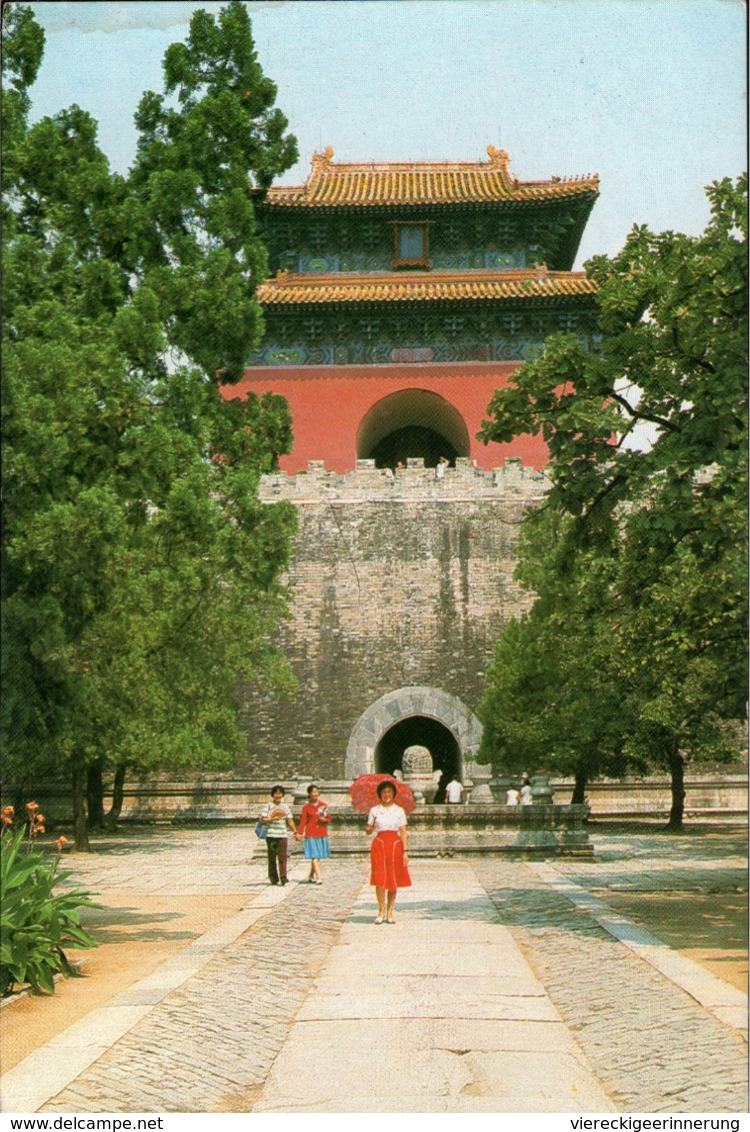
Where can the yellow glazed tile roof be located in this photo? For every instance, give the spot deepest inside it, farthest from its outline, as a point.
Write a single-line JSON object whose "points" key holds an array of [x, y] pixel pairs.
{"points": [[421, 183], [339, 287]]}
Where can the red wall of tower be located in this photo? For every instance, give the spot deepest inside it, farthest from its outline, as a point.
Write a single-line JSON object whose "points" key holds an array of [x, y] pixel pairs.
{"points": [[328, 403]]}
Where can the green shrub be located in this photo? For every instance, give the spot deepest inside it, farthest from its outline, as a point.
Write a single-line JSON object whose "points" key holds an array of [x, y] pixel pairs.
{"points": [[35, 921]]}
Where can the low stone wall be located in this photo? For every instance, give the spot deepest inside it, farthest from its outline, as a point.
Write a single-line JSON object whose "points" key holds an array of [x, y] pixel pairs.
{"points": [[441, 829], [438, 831], [231, 799], [720, 797]]}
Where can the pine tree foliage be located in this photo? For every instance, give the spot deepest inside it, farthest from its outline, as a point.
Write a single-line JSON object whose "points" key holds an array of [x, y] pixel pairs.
{"points": [[141, 575]]}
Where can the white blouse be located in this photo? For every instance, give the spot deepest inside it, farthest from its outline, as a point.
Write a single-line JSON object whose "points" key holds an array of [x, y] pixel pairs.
{"points": [[386, 817]]}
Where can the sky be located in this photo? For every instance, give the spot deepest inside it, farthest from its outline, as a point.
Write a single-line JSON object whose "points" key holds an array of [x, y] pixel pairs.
{"points": [[649, 94]]}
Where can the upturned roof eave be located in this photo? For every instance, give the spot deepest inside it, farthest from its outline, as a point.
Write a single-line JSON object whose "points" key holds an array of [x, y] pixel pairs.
{"points": [[317, 207], [414, 298]]}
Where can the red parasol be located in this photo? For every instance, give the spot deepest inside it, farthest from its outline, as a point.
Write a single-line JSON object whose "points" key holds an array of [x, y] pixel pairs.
{"points": [[364, 792]]}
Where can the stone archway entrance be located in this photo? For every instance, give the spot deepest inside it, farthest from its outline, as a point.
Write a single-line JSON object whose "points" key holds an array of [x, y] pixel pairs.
{"points": [[422, 731], [415, 715]]}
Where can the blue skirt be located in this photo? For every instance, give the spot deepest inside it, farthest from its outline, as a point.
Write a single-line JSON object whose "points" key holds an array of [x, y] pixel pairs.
{"points": [[316, 848]]}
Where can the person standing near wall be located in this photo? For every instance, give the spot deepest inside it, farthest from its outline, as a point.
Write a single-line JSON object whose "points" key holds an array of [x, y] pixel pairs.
{"points": [[454, 791], [277, 817], [313, 827]]}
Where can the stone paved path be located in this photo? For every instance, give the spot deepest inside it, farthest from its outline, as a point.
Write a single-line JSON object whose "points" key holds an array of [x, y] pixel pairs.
{"points": [[446, 999], [652, 1045], [219, 1035], [209, 1045]]}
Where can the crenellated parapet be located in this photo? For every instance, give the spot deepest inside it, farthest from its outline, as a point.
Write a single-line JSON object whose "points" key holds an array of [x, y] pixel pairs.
{"points": [[513, 481]]}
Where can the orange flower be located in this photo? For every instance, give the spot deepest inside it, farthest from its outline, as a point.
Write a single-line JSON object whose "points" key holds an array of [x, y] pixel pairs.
{"points": [[38, 819], [31, 806], [60, 842], [40, 829], [8, 811]]}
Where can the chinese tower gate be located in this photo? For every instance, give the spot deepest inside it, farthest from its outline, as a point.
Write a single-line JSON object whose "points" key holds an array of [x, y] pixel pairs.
{"points": [[401, 297]]}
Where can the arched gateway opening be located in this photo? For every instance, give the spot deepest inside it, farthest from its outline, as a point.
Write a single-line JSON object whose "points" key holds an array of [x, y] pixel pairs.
{"points": [[412, 422], [424, 732], [415, 715]]}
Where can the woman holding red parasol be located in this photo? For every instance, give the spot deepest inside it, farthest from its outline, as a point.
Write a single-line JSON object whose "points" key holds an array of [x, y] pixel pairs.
{"points": [[389, 855]]}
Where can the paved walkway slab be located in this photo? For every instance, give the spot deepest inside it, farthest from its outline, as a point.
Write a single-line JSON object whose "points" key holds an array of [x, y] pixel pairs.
{"points": [[493, 992], [446, 1000]]}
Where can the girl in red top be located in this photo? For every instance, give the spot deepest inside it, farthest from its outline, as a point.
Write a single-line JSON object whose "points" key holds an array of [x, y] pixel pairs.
{"points": [[313, 826]]}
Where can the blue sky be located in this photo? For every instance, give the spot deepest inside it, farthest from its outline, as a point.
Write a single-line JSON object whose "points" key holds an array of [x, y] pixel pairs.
{"points": [[650, 94]]}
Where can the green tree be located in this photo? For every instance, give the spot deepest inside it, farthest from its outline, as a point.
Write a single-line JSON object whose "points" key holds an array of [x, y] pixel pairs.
{"points": [[555, 699], [681, 634], [140, 571], [673, 358], [198, 168], [22, 51]]}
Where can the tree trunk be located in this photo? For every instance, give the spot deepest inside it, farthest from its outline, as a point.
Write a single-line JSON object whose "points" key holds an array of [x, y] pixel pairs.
{"points": [[80, 818], [579, 790], [95, 796], [118, 793], [677, 771]]}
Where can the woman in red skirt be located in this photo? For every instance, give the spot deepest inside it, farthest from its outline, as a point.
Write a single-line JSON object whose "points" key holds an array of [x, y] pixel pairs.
{"points": [[388, 852]]}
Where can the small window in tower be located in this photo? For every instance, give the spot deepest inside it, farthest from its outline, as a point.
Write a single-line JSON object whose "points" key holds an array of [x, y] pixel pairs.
{"points": [[411, 242]]}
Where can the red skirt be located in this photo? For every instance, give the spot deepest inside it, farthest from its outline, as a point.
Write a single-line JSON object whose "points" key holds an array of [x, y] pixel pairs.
{"points": [[387, 868]]}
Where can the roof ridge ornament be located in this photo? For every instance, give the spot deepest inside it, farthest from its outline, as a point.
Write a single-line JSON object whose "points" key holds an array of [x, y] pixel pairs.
{"points": [[498, 157], [321, 162], [500, 160]]}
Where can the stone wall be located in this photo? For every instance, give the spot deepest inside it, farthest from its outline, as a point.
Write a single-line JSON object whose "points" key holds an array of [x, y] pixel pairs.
{"points": [[399, 582], [227, 797]]}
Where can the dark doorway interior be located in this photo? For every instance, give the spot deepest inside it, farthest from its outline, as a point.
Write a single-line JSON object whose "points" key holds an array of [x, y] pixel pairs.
{"points": [[438, 739], [414, 441]]}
